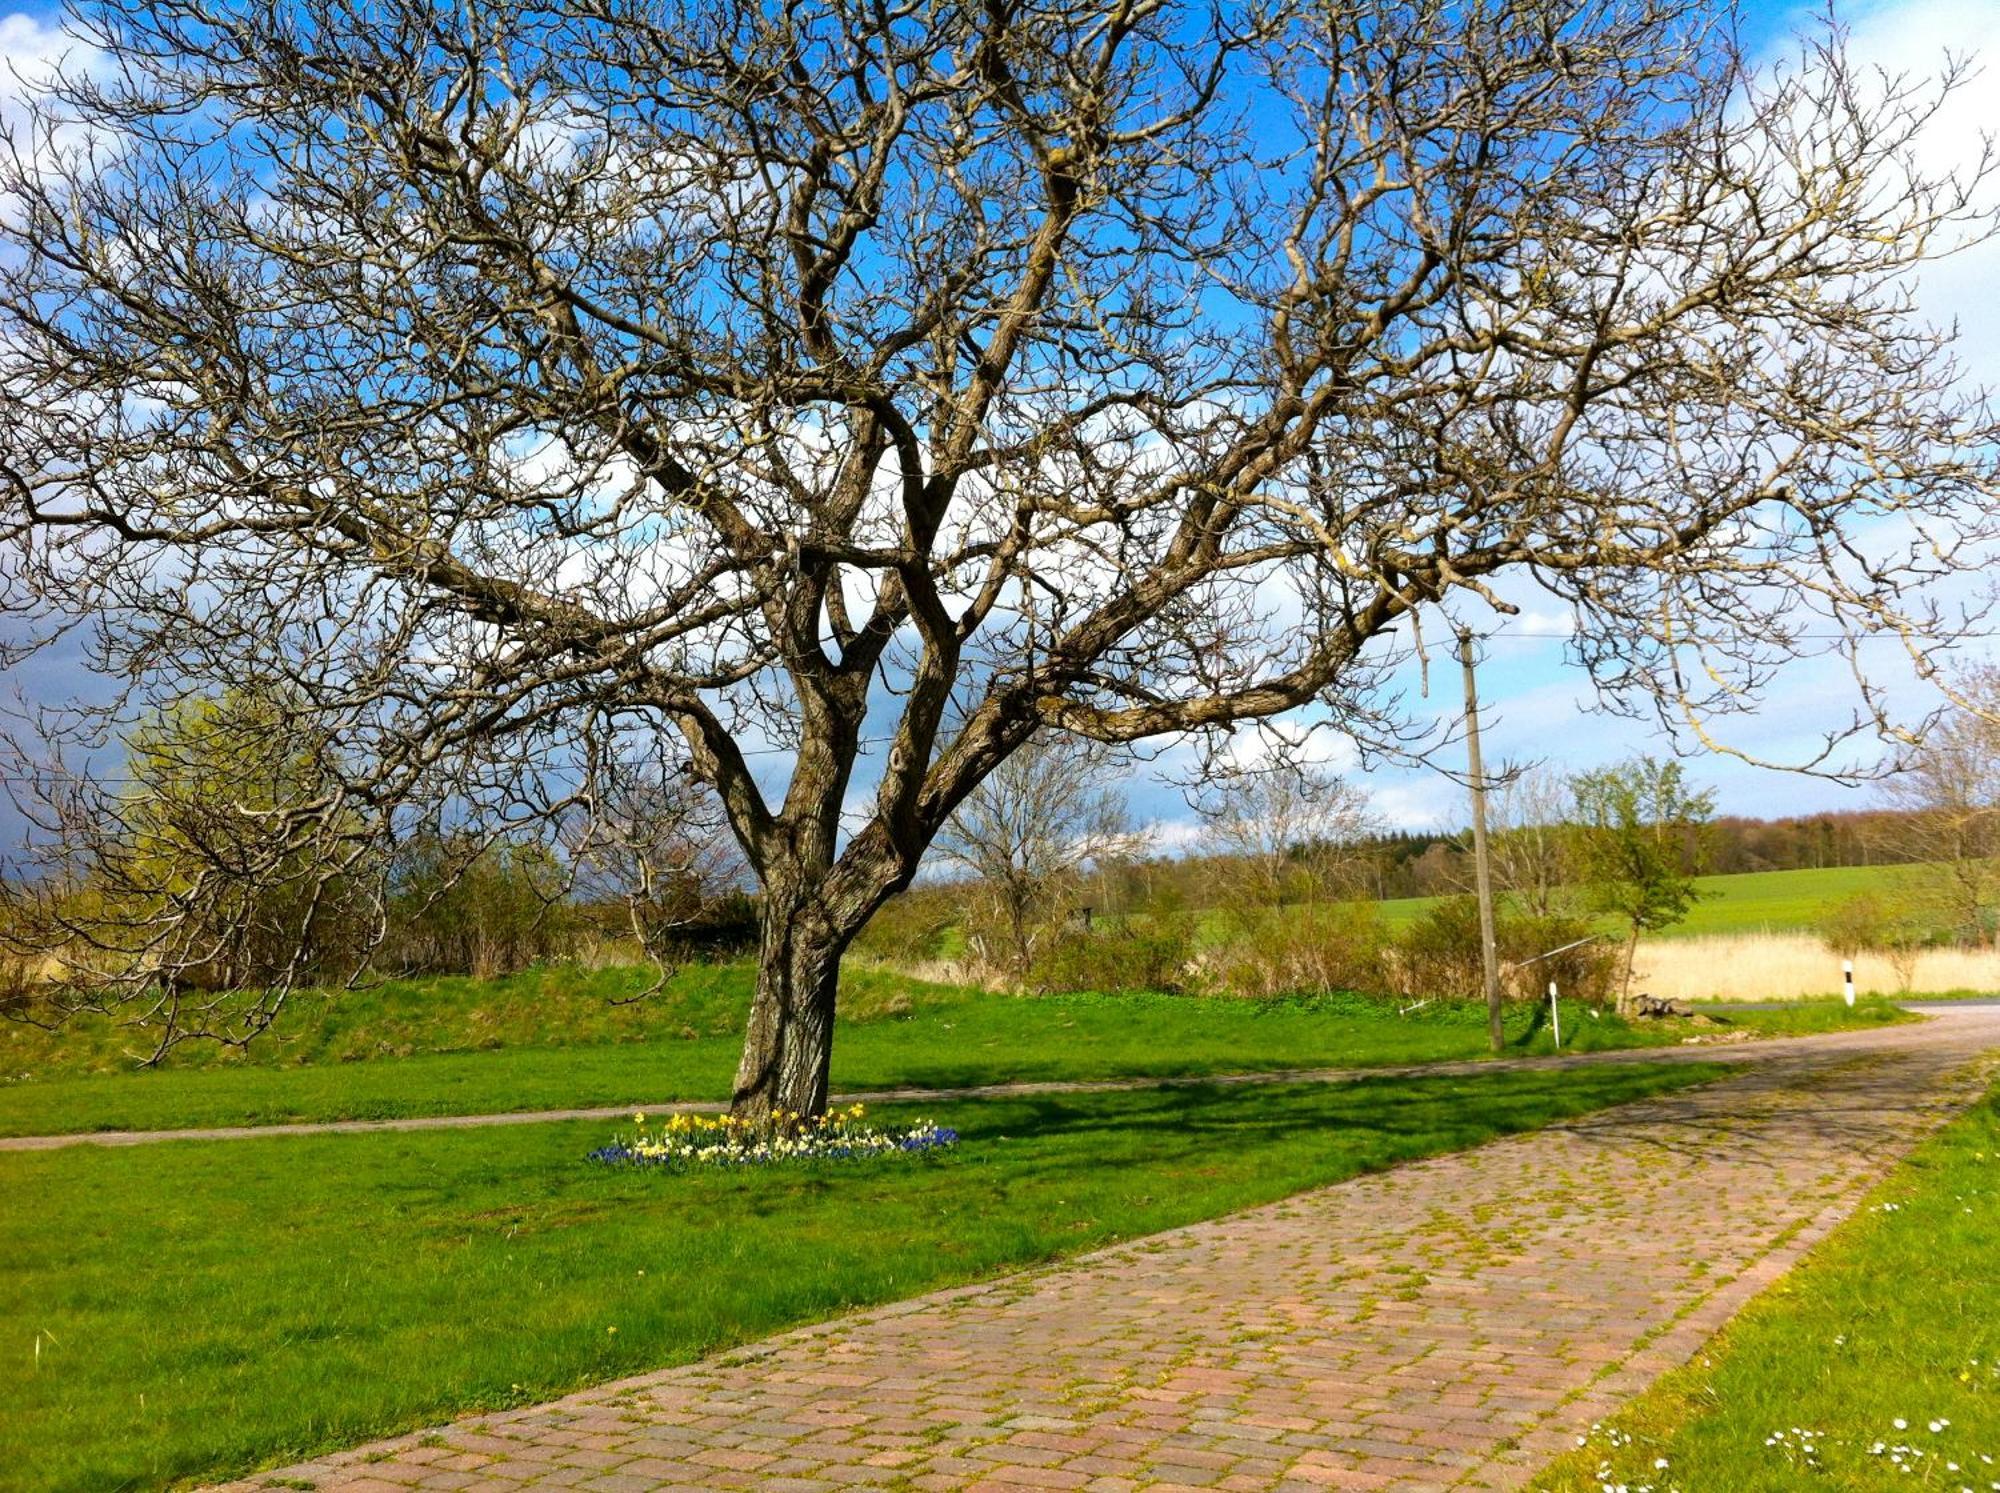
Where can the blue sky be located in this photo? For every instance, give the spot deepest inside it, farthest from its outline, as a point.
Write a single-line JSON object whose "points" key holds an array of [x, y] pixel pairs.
{"points": [[1540, 709], [1537, 708]]}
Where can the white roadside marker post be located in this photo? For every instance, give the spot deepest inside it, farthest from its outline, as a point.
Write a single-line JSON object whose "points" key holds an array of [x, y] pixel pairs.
{"points": [[1555, 1016], [1847, 980]]}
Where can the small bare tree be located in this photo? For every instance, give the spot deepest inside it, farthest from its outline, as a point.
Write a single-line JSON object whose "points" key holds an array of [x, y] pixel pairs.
{"points": [[1291, 832], [831, 379], [1025, 832], [652, 837], [1949, 793], [1288, 834], [1534, 840]]}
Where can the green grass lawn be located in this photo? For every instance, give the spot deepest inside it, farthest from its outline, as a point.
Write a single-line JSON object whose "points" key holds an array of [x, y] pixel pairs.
{"points": [[1891, 1327], [562, 1005], [200, 1309], [896, 1032], [1752, 902]]}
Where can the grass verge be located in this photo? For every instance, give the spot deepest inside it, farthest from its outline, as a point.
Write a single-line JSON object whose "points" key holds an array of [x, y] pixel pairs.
{"points": [[900, 1033], [203, 1309], [556, 1005], [1875, 1364]]}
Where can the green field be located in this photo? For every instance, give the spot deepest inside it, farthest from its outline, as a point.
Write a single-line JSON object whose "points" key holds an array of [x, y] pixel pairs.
{"points": [[549, 1039], [192, 1310], [1884, 1346], [1753, 902]]}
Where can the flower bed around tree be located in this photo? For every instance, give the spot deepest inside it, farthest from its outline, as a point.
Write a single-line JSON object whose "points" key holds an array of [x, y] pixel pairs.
{"points": [[690, 1140]]}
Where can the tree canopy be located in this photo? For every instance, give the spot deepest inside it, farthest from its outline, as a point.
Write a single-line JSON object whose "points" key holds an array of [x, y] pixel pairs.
{"points": [[532, 384]]}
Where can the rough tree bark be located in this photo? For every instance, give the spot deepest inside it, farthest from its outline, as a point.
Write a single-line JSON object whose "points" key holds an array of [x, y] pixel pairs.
{"points": [[788, 1046]]}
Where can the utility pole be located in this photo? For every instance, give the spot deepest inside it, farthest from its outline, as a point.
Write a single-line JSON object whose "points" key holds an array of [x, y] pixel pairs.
{"points": [[1482, 865]]}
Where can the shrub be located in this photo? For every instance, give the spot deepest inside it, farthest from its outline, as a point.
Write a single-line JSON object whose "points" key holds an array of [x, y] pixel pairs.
{"points": [[1439, 955], [1866, 923], [1135, 954], [909, 928], [1589, 971], [1861, 923], [1007, 930], [457, 906], [721, 927], [1311, 949]]}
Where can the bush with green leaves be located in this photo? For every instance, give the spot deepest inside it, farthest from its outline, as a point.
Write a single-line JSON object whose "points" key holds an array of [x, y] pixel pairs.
{"points": [[1151, 953], [1587, 968], [1312, 949], [195, 851], [1641, 841], [1439, 954], [461, 906], [910, 928], [1871, 923]]}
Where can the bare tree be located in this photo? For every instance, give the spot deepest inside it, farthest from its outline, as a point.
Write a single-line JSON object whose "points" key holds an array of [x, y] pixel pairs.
{"points": [[1290, 830], [1443, 870], [1040, 817], [1949, 794], [833, 383], [1287, 833], [653, 838], [1534, 839]]}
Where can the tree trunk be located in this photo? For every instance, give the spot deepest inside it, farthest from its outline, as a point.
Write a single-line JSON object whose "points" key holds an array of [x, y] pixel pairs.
{"points": [[1017, 927], [1624, 1007], [788, 1047]]}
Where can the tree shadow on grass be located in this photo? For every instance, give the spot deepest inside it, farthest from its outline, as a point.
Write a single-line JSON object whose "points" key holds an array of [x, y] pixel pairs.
{"points": [[1368, 1115]]}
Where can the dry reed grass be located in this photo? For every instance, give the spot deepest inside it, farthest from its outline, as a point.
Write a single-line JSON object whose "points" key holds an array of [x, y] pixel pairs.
{"points": [[1782, 966]]}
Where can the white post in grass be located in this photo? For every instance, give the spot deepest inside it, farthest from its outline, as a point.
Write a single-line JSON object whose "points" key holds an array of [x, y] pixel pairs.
{"points": [[1555, 1016], [1847, 980]]}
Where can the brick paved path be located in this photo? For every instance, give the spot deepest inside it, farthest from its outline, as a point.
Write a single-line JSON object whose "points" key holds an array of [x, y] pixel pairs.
{"points": [[1449, 1324]]}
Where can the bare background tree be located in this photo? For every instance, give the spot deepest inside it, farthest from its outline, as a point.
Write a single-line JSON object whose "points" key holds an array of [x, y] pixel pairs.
{"points": [[1287, 838], [1949, 792], [652, 838], [1291, 831], [1533, 842], [1025, 833], [526, 383]]}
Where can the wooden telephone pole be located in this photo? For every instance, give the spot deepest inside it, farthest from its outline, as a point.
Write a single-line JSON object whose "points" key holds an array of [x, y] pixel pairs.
{"points": [[1482, 866]]}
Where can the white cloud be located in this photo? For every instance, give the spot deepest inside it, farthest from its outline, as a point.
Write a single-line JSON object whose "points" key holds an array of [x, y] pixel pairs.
{"points": [[32, 49], [28, 44]]}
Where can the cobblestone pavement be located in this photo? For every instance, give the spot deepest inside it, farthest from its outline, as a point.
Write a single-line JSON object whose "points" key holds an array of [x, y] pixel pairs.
{"points": [[1447, 1324]]}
